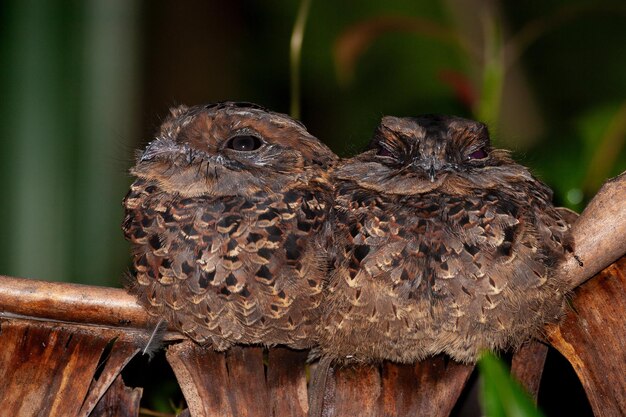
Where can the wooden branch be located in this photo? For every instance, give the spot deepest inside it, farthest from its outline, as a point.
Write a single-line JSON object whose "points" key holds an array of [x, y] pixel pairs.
{"points": [[287, 382], [124, 349], [235, 383], [599, 233], [76, 303], [119, 401], [593, 339], [430, 387], [52, 369], [527, 366]]}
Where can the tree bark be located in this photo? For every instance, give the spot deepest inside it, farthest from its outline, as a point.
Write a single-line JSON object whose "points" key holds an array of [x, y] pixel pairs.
{"points": [[599, 233]]}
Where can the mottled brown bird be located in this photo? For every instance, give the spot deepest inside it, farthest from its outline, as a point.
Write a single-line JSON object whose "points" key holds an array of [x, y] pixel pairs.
{"points": [[444, 244], [225, 219]]}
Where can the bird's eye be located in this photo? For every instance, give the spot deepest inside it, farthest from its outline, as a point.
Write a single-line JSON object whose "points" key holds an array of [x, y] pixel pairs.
{"points": [[244, 143], [478, 154], [382, 151]]}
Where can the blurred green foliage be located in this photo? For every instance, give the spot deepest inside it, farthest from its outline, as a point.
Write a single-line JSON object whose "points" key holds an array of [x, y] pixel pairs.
{"points": [[68, 79], [501, 396], [86, 82]]}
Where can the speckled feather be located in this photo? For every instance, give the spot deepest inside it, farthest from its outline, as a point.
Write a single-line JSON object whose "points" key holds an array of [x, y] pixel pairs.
{"points": [[227, 242], [438, 251]]}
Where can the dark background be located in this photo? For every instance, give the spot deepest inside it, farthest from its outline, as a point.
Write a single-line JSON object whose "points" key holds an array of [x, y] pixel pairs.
{"points": [[84, 83]]}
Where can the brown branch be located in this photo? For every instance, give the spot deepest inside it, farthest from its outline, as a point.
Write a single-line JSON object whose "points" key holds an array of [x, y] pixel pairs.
{"points": [[599, 233], [74, 303], [527, 366], [57, 369], [592, 338], [67, 302]]}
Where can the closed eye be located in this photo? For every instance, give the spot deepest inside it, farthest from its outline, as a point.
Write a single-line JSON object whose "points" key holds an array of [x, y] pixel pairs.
{"points": [[382, 151], [478, 154]]}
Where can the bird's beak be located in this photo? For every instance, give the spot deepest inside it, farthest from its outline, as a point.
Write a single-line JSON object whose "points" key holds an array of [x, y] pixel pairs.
{"points": [[155, 148], [160, 147], [429, 166]]}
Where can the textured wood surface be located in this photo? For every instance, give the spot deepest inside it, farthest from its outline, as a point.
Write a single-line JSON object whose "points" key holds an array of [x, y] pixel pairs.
{"points": [[527, 366], [119, 401], [593, 339], [431, 387], [71, 302], [599, 233], [286, 377], [47, 369], [124, 350], [239, 382]]}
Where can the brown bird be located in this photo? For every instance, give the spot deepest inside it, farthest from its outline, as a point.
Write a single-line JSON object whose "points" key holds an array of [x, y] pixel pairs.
{"points": [[444, 244], [225, 218]]}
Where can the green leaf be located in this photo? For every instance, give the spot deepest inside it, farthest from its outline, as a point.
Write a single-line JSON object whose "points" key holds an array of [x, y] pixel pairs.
{"points": [[501, 396], [295, 53], [488, 109]]}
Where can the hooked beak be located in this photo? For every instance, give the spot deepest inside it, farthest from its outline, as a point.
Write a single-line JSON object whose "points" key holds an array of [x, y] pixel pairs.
{"points": [[429, 166], [158, 147], [431, 172]]}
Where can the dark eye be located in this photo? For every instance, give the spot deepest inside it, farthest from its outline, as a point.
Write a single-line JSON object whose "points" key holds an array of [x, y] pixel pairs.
{"points": [[382, 151], [478, 154], [244, 143]]}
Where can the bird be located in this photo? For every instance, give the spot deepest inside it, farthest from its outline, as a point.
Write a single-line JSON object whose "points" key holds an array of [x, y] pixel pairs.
{"points": [[225, 218], [442, 244]]}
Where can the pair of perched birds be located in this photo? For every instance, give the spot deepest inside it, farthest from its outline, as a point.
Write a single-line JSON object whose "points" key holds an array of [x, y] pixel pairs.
{"points": [[246, 229]]}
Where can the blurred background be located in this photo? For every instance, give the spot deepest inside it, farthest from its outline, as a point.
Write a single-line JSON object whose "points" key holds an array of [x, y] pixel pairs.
{"points": [[85, 83]]}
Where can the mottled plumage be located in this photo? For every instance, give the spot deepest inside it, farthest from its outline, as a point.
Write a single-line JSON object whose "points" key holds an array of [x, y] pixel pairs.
{"points": [[225, 218], [443, 244]]}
